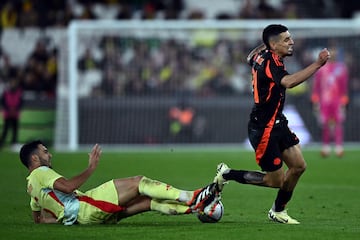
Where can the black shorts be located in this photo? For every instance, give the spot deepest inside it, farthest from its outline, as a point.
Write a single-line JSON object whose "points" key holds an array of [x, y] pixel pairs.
{"points": [[269, 143]]}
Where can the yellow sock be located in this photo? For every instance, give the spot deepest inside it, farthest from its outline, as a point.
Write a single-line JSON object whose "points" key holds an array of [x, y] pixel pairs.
{"points": [[158, 190], [169, 207]]}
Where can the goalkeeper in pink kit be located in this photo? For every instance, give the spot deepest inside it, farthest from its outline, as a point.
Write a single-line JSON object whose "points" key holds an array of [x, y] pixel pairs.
{"points": [[329, 96]]}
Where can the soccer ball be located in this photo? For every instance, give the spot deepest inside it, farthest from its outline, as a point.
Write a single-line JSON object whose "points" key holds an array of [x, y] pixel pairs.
{"points": [[212, 215]]}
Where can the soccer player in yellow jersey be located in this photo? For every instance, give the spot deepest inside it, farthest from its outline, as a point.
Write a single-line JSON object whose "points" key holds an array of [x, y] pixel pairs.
{"points": [[56, 199]]}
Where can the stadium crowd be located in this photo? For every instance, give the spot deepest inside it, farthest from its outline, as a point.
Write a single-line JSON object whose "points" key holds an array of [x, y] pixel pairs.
{"points": [[166, 66], [203, 68], [30, 13]]}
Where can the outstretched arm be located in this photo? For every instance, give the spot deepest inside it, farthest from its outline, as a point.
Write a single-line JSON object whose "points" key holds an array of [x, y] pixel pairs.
{"points": [[256, 50], [70, 185], [292, 80]]}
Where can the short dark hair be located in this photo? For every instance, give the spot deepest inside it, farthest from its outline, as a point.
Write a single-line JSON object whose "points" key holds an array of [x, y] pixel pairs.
{"points": [[271, 31], [27, 150]]}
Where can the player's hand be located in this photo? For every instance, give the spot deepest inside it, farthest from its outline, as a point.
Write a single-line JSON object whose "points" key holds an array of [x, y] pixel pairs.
{"points": [[94, 156], [324, 55]]}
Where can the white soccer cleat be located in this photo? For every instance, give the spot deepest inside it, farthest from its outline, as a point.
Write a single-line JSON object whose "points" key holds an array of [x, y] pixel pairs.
{"points": [[281, 217], [339, 151], [219, 179]]}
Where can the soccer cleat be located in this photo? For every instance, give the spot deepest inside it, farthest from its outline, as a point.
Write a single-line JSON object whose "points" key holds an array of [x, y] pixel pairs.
{"points": [[325, 151], [281, 217], [203, 197], [339, 150], [219, 179]]}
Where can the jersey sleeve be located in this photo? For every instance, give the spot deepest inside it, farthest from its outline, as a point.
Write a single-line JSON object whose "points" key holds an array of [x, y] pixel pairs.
{"points": [[47, 176], [34, 205], [276, 70]]}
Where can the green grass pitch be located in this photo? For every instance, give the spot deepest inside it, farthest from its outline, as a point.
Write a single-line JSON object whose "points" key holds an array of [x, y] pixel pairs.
{"points": [[326, 200]]}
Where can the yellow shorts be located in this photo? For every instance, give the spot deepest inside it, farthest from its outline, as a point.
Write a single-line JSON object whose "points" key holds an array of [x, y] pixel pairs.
{"points": [[99, 205]]}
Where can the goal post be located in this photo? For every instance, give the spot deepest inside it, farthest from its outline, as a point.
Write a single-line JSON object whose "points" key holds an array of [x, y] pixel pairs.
{"points": [[75, 87]]}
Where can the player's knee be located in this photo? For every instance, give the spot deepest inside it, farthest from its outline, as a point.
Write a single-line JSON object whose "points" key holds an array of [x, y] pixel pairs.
{"points": [[138, 178], [299, 169], [131, 182], [303, 168]]}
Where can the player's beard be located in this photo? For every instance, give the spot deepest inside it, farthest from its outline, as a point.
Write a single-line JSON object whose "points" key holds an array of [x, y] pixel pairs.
{"points": [[46, 163]]}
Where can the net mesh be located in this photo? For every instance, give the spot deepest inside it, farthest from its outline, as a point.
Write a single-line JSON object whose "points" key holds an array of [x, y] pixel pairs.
{"points": [[131, 79]]}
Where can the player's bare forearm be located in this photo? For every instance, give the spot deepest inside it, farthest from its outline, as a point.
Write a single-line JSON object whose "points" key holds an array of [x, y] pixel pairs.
{"points": [[256, 50], [70, 185], [292, 80], [40, 217]]}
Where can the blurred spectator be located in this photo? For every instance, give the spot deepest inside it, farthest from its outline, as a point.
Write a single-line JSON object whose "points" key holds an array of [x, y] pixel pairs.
{"points": [[60, 13], [148, 11], [203, 66], [51, 74], [50, 12], [173, 9], [11, 102], [220, 84], [63, 17], [266, 10], [196, 14], [108, 83], [248, 10], [88, 62], [87, 11], [124, 11], [290, 10], [29, 16], [7, 69], [40, 54], [134, 84], [40, 72], [9, 15]]}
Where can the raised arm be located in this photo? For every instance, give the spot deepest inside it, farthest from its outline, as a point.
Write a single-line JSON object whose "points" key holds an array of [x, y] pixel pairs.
{"points": [[70, 185], [292, 80]]}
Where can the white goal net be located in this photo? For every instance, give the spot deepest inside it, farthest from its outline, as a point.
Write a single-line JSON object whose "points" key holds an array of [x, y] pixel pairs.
{"points": [[121, 81]]}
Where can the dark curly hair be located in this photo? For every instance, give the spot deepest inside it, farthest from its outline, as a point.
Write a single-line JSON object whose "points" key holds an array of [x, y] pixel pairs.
{"points": [[27, 150], [272, 31]]}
